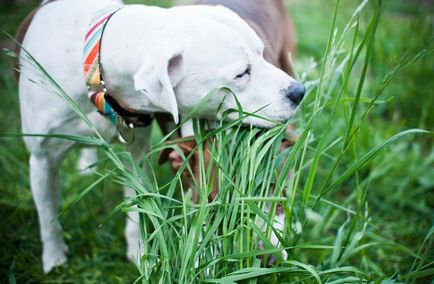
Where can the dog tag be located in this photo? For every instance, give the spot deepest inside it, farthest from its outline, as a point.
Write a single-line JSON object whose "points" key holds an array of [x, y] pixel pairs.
{"points": [[123, 139]]}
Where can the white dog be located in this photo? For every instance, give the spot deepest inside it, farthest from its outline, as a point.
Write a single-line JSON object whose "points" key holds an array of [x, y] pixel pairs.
{"points": [[154, 60]]}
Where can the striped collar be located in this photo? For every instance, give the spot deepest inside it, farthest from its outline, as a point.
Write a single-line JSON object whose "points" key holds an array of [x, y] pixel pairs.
{"points": [[97, 92]]}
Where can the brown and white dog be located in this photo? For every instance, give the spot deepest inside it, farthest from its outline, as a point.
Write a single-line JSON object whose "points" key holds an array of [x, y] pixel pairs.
{"points": [[270, 20], [154, 60]]}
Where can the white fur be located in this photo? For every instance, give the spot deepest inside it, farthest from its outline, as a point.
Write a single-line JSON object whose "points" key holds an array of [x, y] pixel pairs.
{"points": [[214, 46], [278, 224], [87, 161]]}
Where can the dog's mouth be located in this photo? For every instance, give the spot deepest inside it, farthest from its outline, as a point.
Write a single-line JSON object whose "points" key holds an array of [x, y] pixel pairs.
{"points": [[187, 145], [263, 120]]}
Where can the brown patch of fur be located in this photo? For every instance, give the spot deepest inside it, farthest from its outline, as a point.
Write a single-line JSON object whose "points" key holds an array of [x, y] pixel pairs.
{"points": [[176, 161], [270, 20]]}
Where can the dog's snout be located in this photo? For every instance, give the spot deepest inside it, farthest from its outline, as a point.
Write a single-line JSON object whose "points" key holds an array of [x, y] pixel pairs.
{"points": [[295, 93]]}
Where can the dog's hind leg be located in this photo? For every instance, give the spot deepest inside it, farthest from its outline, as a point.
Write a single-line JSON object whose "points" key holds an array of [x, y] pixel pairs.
{"points": [[45, 183]]}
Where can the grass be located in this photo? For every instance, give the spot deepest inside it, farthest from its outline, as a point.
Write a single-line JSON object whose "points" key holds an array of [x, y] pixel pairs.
{"points": [[359, 196]]}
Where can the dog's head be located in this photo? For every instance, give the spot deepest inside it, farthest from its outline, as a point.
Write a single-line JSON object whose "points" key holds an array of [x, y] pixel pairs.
{"points": [[208, 48]]}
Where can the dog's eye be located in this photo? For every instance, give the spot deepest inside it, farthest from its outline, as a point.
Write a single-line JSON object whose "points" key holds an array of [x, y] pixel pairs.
{"points": [[244, 74]]}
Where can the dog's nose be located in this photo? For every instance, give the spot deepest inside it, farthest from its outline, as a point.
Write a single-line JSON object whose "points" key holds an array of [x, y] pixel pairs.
{"points": [[295, 93]]}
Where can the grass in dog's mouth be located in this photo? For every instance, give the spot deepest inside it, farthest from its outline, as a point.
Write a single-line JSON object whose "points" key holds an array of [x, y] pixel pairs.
{"points": [[337, 185]]}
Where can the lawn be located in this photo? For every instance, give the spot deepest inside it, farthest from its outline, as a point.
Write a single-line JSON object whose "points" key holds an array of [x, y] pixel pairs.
{"points": [[359, 206]]}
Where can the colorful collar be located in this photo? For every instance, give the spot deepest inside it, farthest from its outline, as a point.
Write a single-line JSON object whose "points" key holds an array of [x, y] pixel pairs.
{"points": [[97, 92]]}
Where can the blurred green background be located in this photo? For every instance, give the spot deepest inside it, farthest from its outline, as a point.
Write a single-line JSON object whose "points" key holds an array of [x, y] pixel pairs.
{"points": [[402, 181]]}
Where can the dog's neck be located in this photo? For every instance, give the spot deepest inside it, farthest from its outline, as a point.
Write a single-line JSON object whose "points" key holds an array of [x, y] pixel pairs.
{"points": [[106, 104]]}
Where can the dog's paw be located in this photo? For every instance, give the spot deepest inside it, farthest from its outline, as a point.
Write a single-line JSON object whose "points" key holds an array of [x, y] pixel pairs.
{"points": [[54, 255], [133, 238]]}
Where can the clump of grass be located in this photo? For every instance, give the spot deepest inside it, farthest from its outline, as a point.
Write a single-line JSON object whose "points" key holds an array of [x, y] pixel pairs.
{"points": [[218, 242], [331, 234]]}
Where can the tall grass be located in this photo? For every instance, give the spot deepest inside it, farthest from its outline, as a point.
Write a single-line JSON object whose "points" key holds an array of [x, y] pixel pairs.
{"points": [[218, 242], [323, 183]]}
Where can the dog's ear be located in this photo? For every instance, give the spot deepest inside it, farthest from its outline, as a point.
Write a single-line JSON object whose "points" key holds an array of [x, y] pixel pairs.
{"points": [[157, 77]]}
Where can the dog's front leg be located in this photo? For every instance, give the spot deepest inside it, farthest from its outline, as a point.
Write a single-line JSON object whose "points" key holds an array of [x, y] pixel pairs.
{"points": [[45, 183], [132, 229]]}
